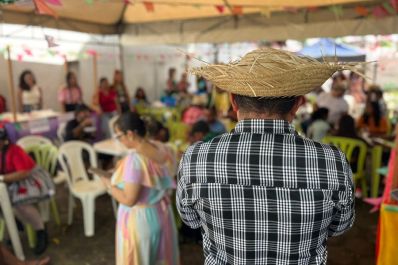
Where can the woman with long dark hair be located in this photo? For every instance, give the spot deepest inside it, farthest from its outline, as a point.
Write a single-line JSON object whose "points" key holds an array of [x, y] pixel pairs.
{"points": [[145, 231], [30, 94], [372, 120], [70, 96]]}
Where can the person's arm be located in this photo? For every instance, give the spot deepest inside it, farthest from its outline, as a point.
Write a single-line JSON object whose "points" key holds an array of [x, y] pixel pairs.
{"points": [[16, 176], [344, 213], [128, 196], [77, 132]]}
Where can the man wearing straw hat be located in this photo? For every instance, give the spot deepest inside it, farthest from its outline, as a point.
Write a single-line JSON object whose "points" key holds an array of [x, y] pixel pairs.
{"points": [[262, 194]]}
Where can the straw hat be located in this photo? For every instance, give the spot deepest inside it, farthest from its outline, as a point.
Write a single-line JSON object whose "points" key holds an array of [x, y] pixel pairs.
{"points": [[269, 72]]}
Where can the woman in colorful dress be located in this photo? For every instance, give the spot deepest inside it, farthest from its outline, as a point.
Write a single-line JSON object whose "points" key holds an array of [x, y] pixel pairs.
{"points": [[145, 231]]}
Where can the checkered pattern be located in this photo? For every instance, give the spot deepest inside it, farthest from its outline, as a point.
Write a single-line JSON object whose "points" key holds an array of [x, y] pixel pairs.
{"points": [[264, 195]]}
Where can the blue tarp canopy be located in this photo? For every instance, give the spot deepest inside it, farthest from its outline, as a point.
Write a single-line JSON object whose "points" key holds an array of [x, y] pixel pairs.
{"points": [[328, 48]]}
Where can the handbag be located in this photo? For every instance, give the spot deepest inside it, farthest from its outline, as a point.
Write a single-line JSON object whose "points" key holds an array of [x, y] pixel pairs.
{"points": [[38, 186]]}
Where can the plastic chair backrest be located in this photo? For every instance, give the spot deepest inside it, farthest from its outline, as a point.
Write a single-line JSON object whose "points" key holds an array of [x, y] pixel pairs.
{"points": [[45, 155], [30, 140], [178, 131], [70, 157], [347, 146], [111, 125]]}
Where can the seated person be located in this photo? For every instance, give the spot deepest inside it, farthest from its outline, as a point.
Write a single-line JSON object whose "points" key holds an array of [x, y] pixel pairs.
{"points": [[157, 131], [319, 126], [82, 127], [372, 120], [216, 126], [15, 166], [195, 112], [200, 131]]}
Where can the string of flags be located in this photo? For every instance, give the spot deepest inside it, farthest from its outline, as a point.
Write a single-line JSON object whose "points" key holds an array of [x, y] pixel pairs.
{"points": [[386, 8]]}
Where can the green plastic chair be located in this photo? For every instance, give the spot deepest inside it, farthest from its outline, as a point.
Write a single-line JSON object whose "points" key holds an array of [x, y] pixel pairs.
{"points": [[377, 152], [178, 131], [347, 146], [46, 156]]}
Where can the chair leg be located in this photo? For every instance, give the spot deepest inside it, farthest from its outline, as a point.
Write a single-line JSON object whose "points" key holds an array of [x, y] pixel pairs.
{"points": [[364, 187], [2, 229], [54, 211], [31, 233], [71, 205], [114, 206], [88, 203]]}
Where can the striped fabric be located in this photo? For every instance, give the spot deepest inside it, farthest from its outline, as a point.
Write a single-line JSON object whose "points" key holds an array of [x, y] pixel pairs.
{"points": [[262, 194]]}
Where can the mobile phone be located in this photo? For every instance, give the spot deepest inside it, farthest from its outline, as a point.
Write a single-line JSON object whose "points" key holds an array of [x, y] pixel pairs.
{"points": [[100, 172]]}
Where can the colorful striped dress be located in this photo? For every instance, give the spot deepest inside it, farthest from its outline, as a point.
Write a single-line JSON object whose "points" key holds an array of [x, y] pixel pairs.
{"points": [[146, 233]]}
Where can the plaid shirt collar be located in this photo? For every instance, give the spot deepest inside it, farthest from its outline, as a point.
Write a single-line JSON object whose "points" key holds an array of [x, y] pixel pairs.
{"points": [[264, 126]]}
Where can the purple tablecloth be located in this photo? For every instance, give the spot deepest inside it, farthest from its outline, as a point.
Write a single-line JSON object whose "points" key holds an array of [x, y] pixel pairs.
{"points": [[17, 130]]}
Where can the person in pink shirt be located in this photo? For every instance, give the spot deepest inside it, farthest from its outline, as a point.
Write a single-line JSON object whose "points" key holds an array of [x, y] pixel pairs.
{"points": [[71, 95]]}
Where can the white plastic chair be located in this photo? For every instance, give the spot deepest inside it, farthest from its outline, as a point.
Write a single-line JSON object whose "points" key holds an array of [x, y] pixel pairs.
{"points": [[61, 132], [30, 140], [80, 186], [111, 125]]}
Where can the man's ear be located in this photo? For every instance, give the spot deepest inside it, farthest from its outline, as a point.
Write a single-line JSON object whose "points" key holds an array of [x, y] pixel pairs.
{"points": [[233, 102], [300, 101]]}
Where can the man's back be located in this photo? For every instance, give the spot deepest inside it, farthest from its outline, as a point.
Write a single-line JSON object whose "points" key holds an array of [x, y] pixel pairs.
{"points": [[264, 195]]}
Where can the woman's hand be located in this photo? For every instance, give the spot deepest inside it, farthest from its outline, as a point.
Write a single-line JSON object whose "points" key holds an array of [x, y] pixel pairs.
{"points": [[107, 182]]}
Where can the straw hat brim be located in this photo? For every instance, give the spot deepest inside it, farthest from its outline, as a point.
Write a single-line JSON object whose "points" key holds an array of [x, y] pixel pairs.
{"points": [[270, 73]]}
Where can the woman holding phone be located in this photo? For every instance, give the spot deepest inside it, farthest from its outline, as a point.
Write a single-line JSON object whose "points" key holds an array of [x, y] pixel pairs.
{"points": [[145, 231]]}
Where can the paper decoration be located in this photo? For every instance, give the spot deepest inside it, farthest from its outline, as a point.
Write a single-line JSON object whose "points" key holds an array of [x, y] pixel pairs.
{"points": [[362, 11], [149, 6], [394, 4], [379, 12], [220, 9], [237, 10], [127, 2], [389, 8], [337, 10], [89, 2], [28, 51], [54, 2], [50, 41], [43, 9], [39, 126], [19, 57], [91, 52], [312, 8]]}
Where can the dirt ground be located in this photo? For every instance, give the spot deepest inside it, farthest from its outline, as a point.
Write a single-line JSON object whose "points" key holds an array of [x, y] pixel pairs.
{"points": [[69, 246]]}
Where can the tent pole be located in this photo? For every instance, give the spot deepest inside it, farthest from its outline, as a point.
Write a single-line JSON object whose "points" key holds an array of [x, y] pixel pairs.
{"points": [[11, 86], [95, 72], [121, 54]]}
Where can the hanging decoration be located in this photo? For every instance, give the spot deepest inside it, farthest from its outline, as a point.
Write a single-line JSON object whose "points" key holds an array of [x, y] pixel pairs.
{"points": [[54, 2], [312, 8], [362, 11], [379, 12], [28, 52], [220, 9], [394, 4], [127, 2], [149, 6], [389, 8], [50, 41], [337, 10], [237, 10], [42, 8]]}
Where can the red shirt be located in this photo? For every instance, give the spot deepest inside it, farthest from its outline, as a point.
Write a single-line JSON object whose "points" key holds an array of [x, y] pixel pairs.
{"points": [[107, 100], [16, 160]]}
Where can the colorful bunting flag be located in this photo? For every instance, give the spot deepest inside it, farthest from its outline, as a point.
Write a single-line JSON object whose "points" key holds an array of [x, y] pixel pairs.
{"points": [[312, 8], [394, 4], [54, 2], [19, 57], [362, 11], [28, 51], [237, 10], [127, 2], [89, 2], [92, 52], [389, 8], [50, 41], [220, 9], [379, 12], [43, 9], [337, 10], [149, 6]]}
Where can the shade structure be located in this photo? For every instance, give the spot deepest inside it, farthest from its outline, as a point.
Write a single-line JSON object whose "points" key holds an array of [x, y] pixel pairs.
{"points": [[327, 48]]}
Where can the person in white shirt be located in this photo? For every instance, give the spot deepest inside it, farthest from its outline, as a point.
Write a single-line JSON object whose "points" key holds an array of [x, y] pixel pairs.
{"points": [[319, 126], [334, 101], [30, 94]]}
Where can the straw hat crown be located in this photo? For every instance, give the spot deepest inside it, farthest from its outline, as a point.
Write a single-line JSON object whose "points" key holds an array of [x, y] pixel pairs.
{"points": [[269, 72]]}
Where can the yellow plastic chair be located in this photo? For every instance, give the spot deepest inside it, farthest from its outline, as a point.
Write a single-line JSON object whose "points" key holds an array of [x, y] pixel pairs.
{"points": [[347, 146], [377, 153], [178, 131]]}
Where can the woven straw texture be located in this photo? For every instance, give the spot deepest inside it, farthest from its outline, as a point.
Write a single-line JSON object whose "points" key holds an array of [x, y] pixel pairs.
{"points": [[268, 72]]}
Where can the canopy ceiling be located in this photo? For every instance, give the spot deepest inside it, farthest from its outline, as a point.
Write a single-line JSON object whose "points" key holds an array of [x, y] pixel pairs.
{"points": [[106, 16]]}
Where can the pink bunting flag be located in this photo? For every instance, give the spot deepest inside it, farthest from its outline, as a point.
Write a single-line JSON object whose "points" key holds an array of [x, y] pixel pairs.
{"points": [[43, 9], [379, 12], [50, 41], [149, 6], [19, 57], [237, 10], [394, 4], [28, 51], [127, 2], [91, 52], [220, 9], [54, 2]]}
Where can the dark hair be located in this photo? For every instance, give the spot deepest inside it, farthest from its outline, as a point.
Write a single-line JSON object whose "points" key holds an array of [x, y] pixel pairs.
{"points": [[376, 113], [131, 121], [81, 107], [171, 71], [22, 83], [280, 106], [3, 134], [143, 91], [347, 127], [103, 79], [153, 127], [320, 114], [200, 127], [68, 77]]}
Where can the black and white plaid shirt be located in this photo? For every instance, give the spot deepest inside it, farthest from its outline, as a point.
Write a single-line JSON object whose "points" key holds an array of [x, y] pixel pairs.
{"points": [[262, 194]]}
